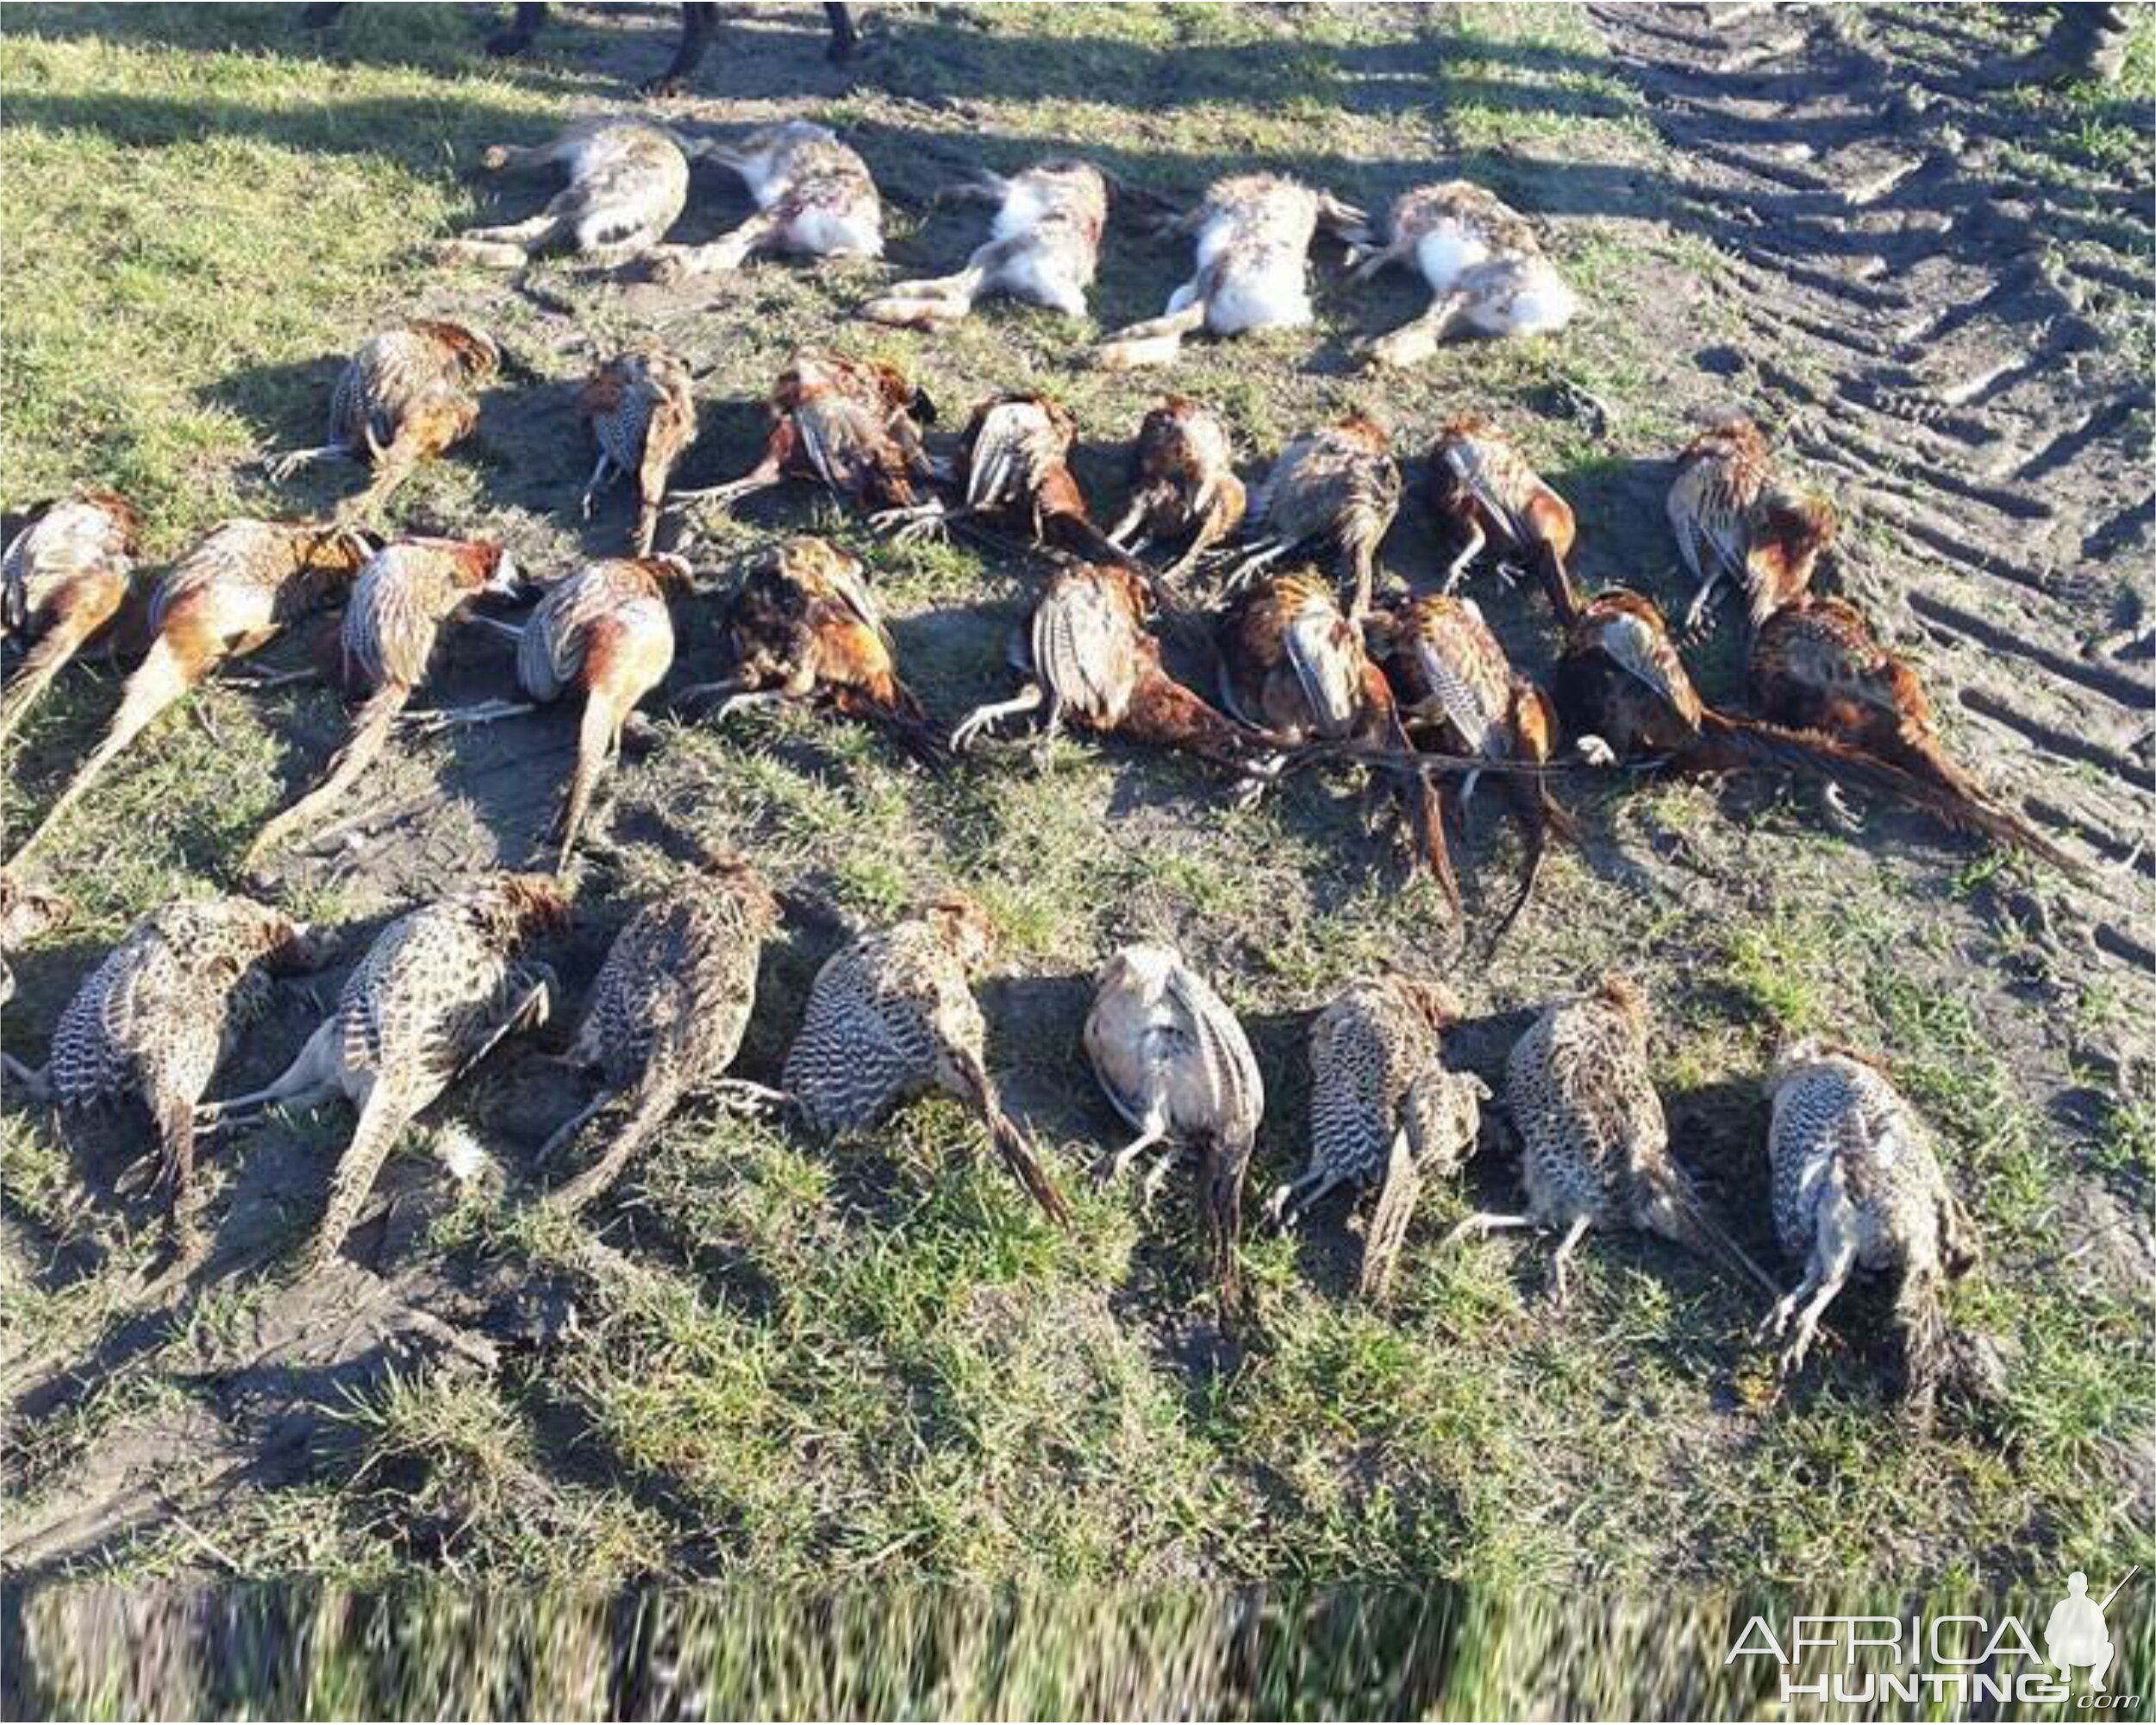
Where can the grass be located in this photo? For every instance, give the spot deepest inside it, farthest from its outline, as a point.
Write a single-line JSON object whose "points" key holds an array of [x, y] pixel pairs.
{"points": [[791, 1364]]}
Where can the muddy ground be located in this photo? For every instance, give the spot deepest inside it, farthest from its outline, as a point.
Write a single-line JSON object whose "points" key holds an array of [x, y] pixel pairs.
{"points": [[1935, 297]]}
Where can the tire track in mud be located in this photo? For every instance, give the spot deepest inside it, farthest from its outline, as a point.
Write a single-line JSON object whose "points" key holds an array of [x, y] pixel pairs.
{"points": [[1920, 336]]}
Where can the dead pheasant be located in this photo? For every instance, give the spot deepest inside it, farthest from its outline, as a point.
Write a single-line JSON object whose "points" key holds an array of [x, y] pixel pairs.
{"points": [[667, 1013], [1624, 694], [892, 1015], [1016, 457], [1451, 676], [628, 180], [1044, 248], [404, 398], [607, 631], [66, 570], [1184, 484], [805, 627], [1089, 656], [1484, 264], [1178, 1066], [1253, 251], [814, 199], [643, 417], [1385, 1111], [1293, 668], [155, 1018], [437, 990], [236, 591], [1736, 520], [1337, 488], [1815, 664], [1594, 1141], [1858, 1188], [406, 593], [845, 424], [1481, 482]]}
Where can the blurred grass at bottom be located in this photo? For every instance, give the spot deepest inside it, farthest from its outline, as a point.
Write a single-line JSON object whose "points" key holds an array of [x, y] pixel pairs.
{"points": [[281, 1651]]}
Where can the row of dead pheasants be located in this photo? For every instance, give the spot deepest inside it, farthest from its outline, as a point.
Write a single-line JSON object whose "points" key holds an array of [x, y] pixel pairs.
{"points": [[1307, 669]]}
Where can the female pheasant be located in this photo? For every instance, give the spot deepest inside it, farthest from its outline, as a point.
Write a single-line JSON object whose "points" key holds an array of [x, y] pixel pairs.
{"points": [[1858, 1187], [437, 990], [405, 593], [157, 1017], [1338, 487], [67, 569], [1177, 1065], [1043, 247], [644, 417], [236, 591], [404, 397], [668, 1011], [1183, 485], [1385, 1111], [1736, 520], [893, 1015], [1594, 1143]]}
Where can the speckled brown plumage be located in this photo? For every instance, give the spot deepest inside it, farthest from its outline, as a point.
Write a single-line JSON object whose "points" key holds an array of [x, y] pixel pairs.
{"points": [[1858, 1188], [404, 396], [1384, 1110], [439, 987], [1338, 487], [1483, 484], [669, 1009], [1594, 1141], [893, 1015], [1736, 520], [154, 1019]]}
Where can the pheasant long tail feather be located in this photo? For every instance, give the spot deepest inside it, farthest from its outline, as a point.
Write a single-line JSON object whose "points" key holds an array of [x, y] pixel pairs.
{"points": [[656, 1099], [381, 1124], [176, 1136], [1543, 818], [595, 746], [1696, 1228], [1557, 584], [1220, 1195], [1388, 1219], [1730, 744], [157, 683], [40, 666], [1010, 1143], [1927, 1344], [370, 731]]}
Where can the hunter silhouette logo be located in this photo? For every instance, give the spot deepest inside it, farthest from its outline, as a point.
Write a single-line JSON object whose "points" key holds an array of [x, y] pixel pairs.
{"points": [[2074, 1635]]}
